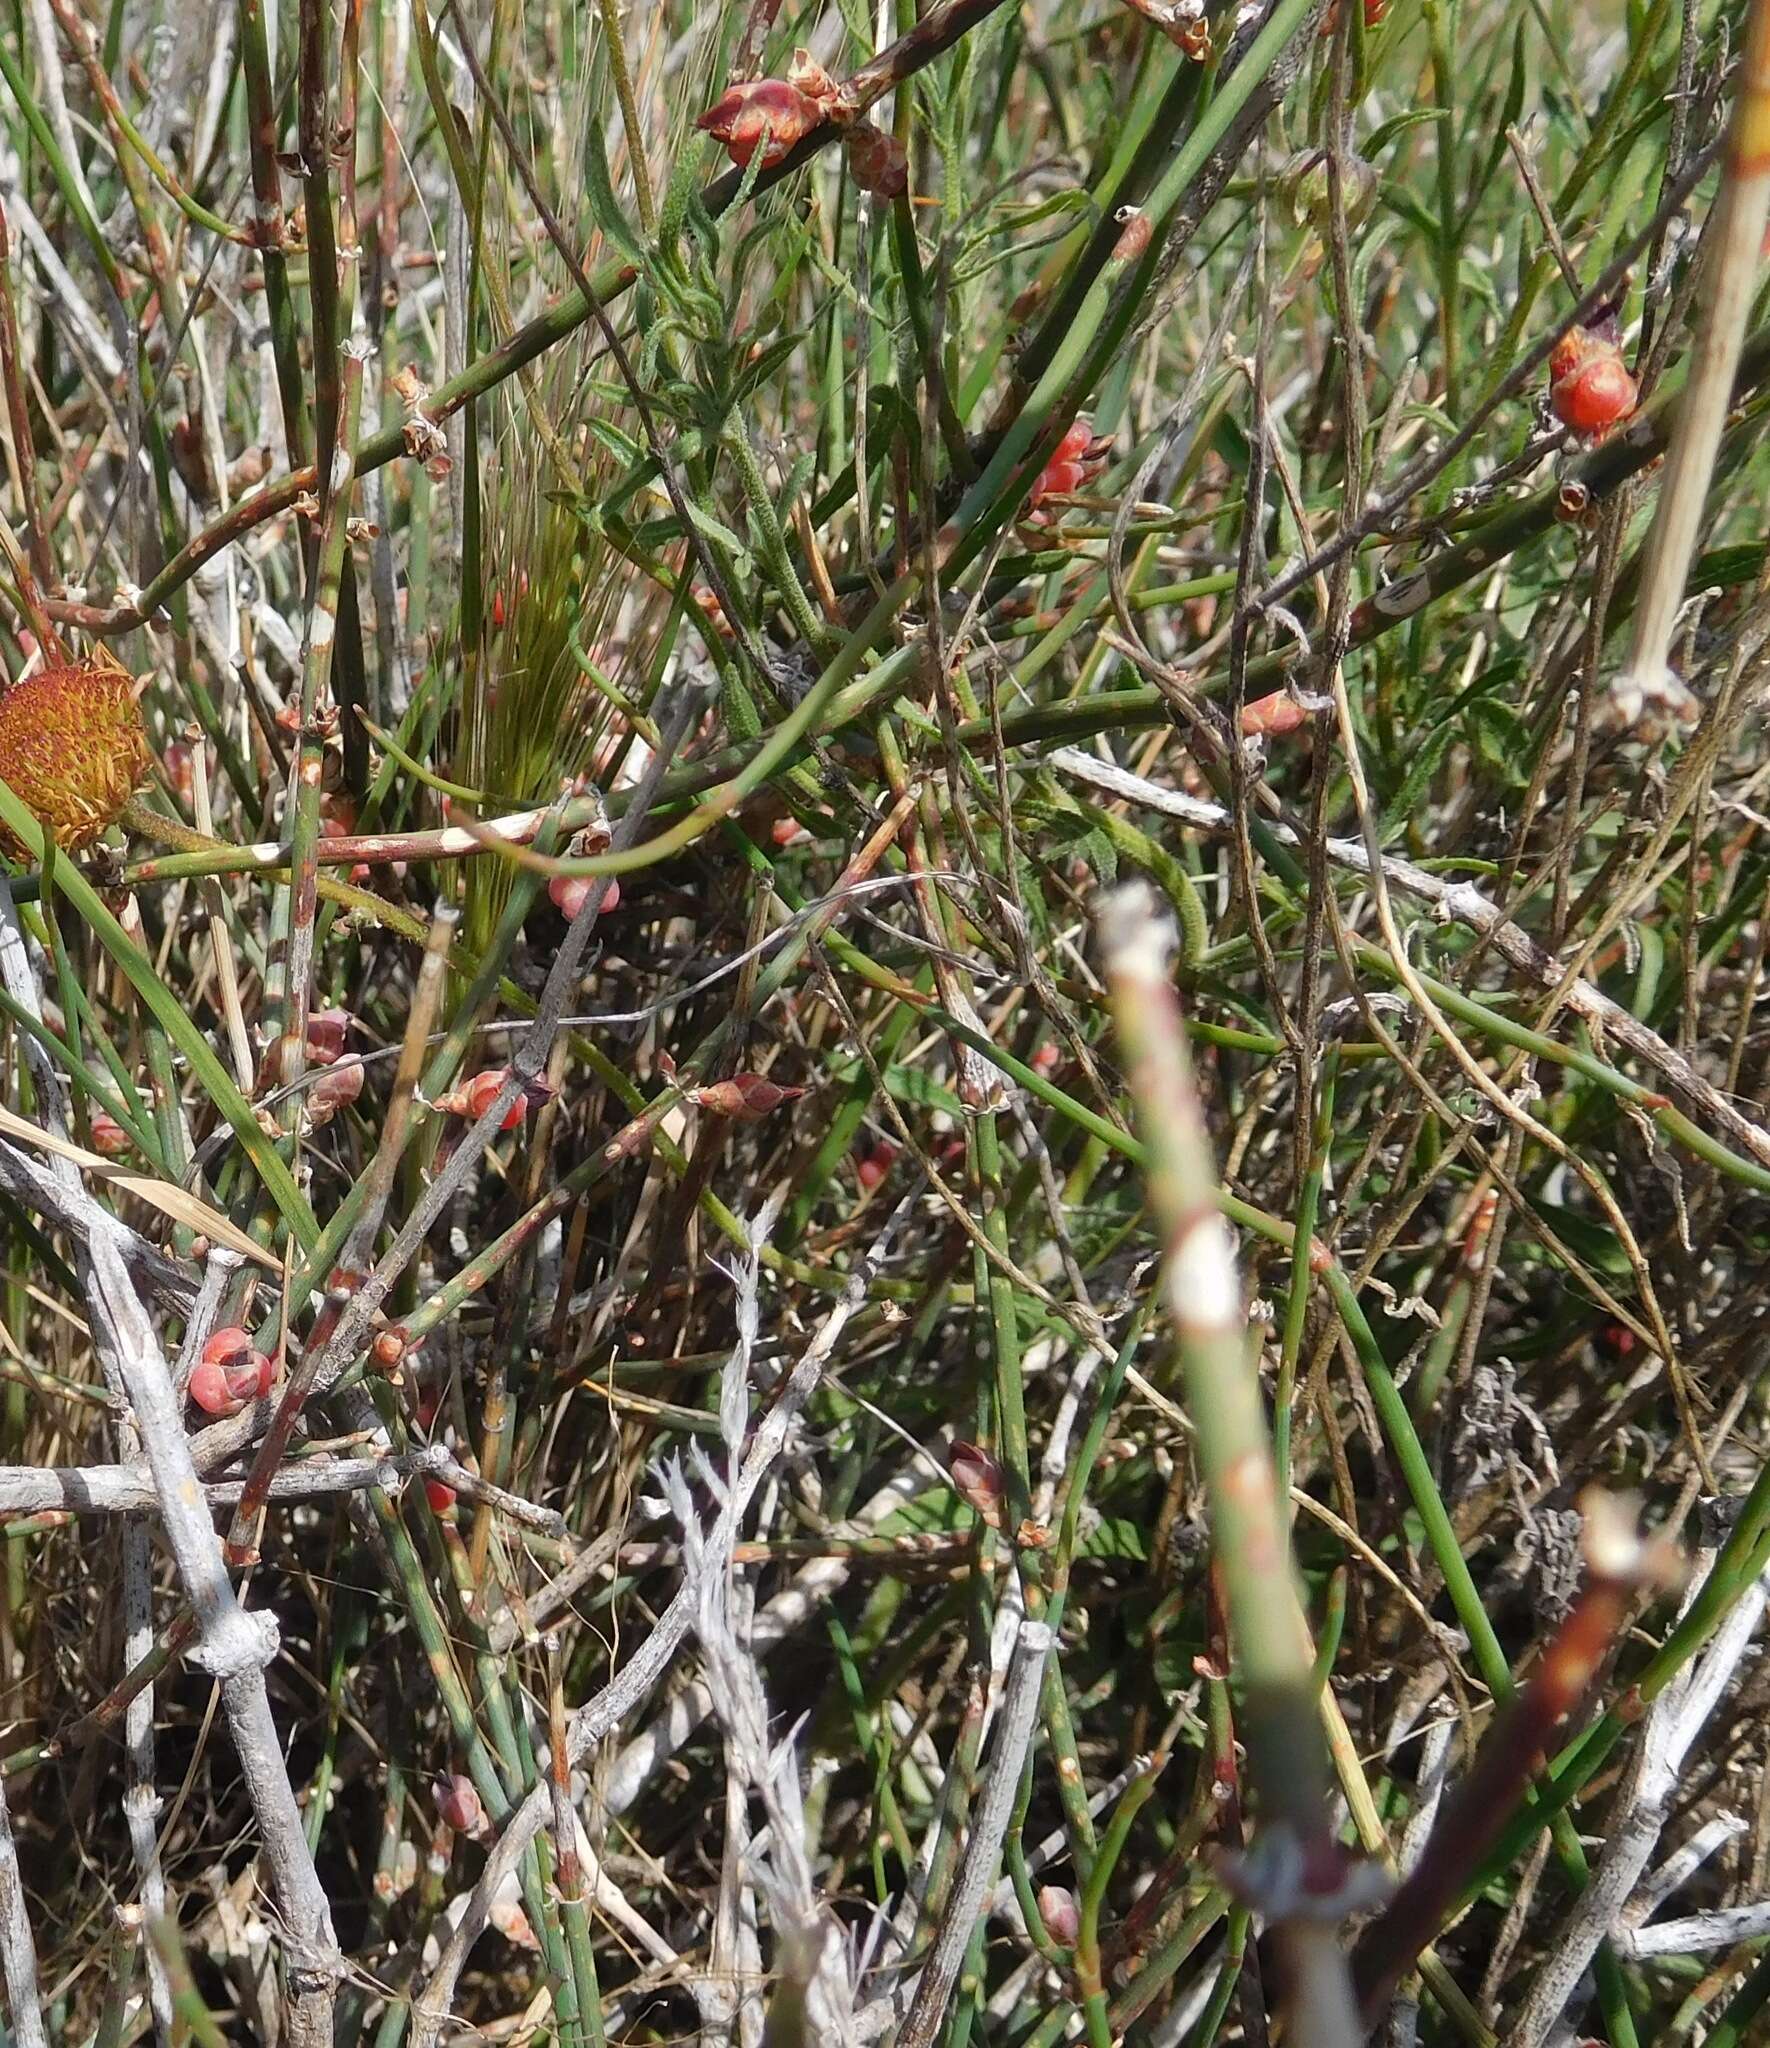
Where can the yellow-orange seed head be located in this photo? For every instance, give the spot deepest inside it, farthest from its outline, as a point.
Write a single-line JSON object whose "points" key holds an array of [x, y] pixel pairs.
{"points": [[72, 748]]}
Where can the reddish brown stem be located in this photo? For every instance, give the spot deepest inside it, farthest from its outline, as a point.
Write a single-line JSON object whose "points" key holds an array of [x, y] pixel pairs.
{"points": [[1475, 1815]]}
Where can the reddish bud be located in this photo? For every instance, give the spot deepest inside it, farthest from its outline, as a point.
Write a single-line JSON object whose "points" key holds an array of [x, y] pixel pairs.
{"points": [[326, 1033], [977, 1478], [181, 776], [1060, 1913], [747, 1097], [878, 162], [337, 816], [497, 609], [230, 1373], [872, 1167], [1078, 437], [787, 832], [108, 1136], [1045, 1060], [458, 1803], [473, 1098], [767, 114], [708, 599], [334, 1088], [1274, 715], [571, 892], [440, 1496], [1078, 457]]}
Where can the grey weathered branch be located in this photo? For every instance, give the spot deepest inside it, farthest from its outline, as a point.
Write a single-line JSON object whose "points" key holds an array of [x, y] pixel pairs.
{"points": [[232, 1646], [598, 1718]]}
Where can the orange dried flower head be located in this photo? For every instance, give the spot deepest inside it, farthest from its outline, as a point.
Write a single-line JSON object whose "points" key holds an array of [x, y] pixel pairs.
{"points": [[72, 748]]}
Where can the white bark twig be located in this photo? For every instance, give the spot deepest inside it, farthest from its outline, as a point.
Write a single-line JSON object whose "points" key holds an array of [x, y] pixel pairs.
{"points": [[17, 1951], [232, 1646], [133, 1489], [60, 1181], [983, 1845], [1683, 1863], [1691, 1936]]}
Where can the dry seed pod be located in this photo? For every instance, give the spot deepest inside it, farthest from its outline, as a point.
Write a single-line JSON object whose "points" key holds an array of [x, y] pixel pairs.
{"points": [[747, 1097], [72, 748]]}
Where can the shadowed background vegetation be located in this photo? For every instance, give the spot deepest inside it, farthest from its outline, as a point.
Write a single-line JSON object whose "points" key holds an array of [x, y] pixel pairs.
{"points": [[657, 643]]}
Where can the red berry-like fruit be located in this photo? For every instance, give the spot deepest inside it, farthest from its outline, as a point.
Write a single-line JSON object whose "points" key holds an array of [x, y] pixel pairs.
{"points": [[1590, 386], [230, 1374]]}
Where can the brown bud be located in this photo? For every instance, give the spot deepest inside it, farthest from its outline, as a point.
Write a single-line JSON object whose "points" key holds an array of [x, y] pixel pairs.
{"points": [[878, 161], [388, 1348]]}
